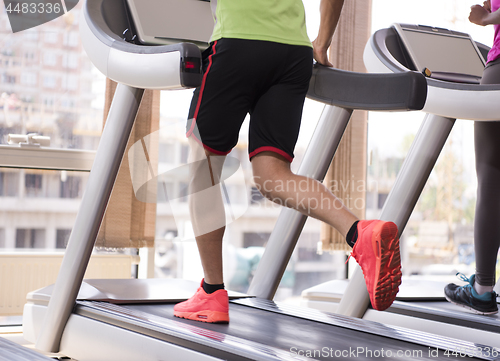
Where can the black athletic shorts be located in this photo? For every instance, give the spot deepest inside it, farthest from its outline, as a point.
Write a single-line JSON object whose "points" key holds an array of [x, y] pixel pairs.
{"points": [[266, 79]]}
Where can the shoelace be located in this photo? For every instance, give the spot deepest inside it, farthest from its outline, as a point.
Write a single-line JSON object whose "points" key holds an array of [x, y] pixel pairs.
{"points": [[464, 277], [468, 279]]}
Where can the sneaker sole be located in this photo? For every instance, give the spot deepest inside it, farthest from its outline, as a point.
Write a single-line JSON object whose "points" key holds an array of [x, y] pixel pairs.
{"points": [[470, 308], [388, 268], [204, 316]]}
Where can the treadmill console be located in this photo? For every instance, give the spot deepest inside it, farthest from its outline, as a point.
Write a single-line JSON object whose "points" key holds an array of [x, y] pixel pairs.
{"points": [[441, 54]]}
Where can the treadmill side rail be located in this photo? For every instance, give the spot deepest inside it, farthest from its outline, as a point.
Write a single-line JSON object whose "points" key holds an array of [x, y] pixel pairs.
{"points": [[351, 90]]}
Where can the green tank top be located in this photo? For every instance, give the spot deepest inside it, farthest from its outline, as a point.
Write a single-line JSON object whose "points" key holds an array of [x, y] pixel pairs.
{"points": [[281, 21]]}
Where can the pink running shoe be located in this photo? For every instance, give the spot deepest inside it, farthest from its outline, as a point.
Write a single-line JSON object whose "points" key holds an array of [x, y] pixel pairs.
{"points": [[205, 307], [377, 253]]}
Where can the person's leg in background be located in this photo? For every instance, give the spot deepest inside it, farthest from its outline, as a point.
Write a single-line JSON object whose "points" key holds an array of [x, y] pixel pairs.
{"points": [[486, 232], [478, 294]]}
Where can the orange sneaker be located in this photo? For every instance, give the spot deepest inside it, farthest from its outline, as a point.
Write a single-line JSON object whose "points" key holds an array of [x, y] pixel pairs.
{"points": [[377, 253], [205, 307]]}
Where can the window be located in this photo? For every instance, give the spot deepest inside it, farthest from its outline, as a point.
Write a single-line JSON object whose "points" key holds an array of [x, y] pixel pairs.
{"points": [[33, 184], [8, 79], [167, 153], [49, 81], [183, 192], [7, 51], [255, 239], [71, 38], [2, 238], [255, 197], [48, 102], [51, 37], [9, 184], [28, 79], [70, 60], [50, 58], [184, 153], [30, 238], [27, 98], [69, 82], [31, 35], [70, 188], [62, 237], [382, 197], [30, 55], [165, 191], [67, 103]]}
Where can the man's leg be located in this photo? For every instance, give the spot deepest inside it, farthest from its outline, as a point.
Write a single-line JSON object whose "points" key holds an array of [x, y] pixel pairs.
{"points": [[210, 303], [206, 208], [219, 106], [276, 181], [375, 243], [210, 248]]}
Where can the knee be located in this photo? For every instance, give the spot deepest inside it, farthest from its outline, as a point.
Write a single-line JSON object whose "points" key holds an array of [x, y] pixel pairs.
{"points": [[270, 173], [272, 182]]}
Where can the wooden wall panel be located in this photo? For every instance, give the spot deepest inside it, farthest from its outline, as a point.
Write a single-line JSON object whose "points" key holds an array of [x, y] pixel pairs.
{"points": [[347, 174]]}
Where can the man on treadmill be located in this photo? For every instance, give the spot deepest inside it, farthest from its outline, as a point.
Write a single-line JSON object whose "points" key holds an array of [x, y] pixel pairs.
{"points": [[260, 62]]}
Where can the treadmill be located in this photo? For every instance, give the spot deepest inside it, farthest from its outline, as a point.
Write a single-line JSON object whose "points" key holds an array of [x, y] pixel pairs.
{"points": [[421, 304], [11, 351], [132, 319]]}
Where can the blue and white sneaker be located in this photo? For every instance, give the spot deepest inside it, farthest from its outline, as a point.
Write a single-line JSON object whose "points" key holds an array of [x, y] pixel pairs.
{"points": [[466, 296]]}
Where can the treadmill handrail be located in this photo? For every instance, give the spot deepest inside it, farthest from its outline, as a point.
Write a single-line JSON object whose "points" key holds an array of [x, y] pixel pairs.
{"points": [[353, 90]]}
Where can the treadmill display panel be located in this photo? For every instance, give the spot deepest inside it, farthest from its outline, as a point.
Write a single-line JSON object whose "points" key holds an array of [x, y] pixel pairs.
{"points": [[165, 22], [441, 50]]}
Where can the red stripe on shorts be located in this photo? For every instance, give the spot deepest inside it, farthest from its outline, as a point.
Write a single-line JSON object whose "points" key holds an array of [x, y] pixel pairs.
{"points": [[271, 149], [191, 129]]}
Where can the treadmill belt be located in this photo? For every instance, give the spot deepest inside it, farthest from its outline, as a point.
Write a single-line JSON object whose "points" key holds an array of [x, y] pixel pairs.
{"points": [[10, 351], [300, 336], [449, 313]]}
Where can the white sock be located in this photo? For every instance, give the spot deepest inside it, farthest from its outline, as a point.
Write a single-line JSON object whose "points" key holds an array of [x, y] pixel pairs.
{"points": [[482, 289]]}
